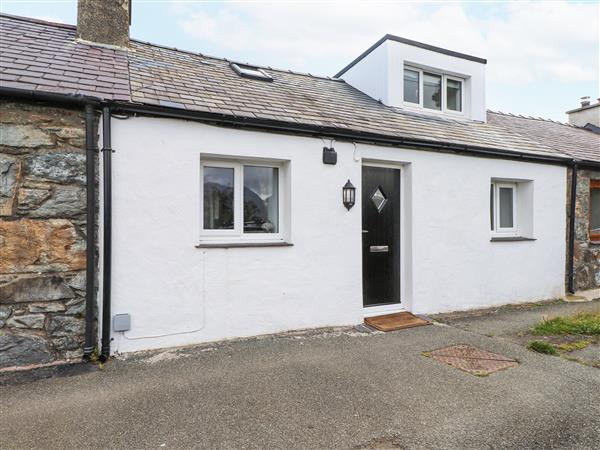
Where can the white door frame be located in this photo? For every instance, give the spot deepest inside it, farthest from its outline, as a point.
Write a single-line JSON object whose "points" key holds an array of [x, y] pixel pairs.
{"points": [[370, 311]]}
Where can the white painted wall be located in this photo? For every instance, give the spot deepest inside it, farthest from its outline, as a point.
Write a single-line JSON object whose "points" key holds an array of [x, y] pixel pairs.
{"points": [[380, 75], [169, 286], [370, 75]]}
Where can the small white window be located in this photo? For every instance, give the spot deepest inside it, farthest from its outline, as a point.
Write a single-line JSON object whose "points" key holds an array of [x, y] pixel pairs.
{"points": [[433, 91], [503, 208], [241, 200]]}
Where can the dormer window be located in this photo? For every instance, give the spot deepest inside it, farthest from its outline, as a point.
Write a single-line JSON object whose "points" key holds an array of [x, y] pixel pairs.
{"points": [[432, 91]]}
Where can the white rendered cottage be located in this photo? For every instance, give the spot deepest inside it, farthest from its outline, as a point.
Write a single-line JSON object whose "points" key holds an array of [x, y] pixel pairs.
{"points": [[222, 206], [221, 232]]}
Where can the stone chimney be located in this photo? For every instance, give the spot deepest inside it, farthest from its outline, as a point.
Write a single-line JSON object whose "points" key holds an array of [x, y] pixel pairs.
{"points": [[104, 21]]}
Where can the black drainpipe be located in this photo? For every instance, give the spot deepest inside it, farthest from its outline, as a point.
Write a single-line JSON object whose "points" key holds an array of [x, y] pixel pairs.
{"points": [[572, 207], [107, 233], [90, 250]]}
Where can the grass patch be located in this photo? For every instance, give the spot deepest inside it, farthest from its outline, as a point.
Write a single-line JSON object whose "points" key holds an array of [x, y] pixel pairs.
{"points": [[542, 347], [572, 346], [584, 323]]}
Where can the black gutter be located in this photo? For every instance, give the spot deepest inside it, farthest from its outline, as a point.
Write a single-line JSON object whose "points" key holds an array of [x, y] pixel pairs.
{"points": [[572, 212], [90, 250], [73, 99], [107, 233], [336, 133], [391, 37], [293, 128]]}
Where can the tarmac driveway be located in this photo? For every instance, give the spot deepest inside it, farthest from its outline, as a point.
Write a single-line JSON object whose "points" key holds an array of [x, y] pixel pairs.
{"points": [[319, 390]]}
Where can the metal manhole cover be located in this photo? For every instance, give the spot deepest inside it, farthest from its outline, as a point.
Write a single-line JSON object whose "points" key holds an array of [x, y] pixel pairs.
{"points": [[472, 359]]}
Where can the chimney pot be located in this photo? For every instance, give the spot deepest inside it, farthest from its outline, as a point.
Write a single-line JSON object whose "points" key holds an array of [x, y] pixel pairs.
{"points": [[104, 21]]}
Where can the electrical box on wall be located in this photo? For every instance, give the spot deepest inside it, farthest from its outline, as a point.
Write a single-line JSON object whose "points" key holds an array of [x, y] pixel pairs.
{"points": [[329, 156], [121, 322]]}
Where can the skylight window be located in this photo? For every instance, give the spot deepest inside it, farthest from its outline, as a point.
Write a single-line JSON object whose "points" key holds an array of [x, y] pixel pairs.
{"points": [[247, 71]]}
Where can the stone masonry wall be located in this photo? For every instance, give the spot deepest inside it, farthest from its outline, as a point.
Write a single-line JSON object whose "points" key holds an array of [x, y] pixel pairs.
{"points": [[587, 253], [42, 233]]}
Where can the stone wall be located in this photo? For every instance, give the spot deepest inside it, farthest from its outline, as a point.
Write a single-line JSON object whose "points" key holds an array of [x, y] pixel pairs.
{"points": [[586, 254], [42, 233]]}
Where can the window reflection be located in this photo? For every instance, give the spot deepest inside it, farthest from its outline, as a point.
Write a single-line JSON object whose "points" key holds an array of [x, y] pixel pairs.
{"points": [[261, 199], [218, 198], [432, 91]]}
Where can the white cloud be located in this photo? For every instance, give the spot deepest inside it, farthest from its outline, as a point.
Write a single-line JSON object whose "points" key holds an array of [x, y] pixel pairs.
{"points": [[522, 41]]}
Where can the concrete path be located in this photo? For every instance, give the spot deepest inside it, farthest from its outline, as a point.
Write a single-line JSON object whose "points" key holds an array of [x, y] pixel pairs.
{"points": [[331, 390]]}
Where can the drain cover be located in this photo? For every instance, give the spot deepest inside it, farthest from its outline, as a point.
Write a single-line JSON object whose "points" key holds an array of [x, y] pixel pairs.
{"points": [[472, 359]]}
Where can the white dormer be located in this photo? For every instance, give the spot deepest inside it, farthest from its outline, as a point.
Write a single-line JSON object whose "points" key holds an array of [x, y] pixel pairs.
{"points": [[420, 78]]}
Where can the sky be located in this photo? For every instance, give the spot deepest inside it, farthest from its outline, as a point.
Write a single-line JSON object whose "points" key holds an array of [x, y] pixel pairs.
{"points": [[542, 55]]}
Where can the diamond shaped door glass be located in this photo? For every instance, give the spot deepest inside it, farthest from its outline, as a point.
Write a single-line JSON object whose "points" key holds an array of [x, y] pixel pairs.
{"points": [[379, 199]]}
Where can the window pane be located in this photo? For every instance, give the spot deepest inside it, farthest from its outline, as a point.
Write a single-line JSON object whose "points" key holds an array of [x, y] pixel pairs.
{"points": [[411, 86], [261, 199], [218, 198], [506, 207], [454, 95], [595, 211], [432, 91]]}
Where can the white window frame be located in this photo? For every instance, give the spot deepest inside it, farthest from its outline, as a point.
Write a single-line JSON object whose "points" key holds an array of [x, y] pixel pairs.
{"points": [[237, 233], [462, 95], [444, 107], [420, 72], [505, 231]]}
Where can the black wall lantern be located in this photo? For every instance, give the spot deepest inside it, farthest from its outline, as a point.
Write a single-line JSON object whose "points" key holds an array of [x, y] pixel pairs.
{"points": [[348, 195]]}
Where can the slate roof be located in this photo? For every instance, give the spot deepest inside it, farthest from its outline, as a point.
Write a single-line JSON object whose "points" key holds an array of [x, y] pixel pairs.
{"points": [[579, 143], [46, 57]]}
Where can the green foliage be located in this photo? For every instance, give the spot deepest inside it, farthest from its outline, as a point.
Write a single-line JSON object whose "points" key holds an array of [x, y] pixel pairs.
{"points": [[571, 346], [542, 347], [586, 324]]}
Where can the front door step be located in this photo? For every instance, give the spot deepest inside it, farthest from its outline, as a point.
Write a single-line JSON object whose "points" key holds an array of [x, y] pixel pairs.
{"points": [[397, 321]]}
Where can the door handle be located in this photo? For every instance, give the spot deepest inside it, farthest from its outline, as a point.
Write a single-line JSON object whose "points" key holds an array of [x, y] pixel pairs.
{"points": [[378, 249], [365, 231]]}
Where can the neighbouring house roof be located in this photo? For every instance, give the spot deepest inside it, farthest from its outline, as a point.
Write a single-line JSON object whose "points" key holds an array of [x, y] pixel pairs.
{"points": [[583, 108], [46, 57], [577, 142]]}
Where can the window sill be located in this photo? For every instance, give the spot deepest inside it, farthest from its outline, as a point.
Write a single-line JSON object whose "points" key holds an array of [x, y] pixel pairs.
{"points": [[243, 244], [511, 239]]}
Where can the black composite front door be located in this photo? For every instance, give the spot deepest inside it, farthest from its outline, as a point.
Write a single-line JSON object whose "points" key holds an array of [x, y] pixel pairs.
{"points": [[381, 235]]}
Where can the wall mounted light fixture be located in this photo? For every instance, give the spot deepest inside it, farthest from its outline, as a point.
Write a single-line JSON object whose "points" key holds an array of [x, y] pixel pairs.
{"points": [[348, 195]]}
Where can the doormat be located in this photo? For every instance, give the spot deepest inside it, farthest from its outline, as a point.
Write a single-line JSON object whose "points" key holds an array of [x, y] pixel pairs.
{"points": [[397, 321], [472, 359]]}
